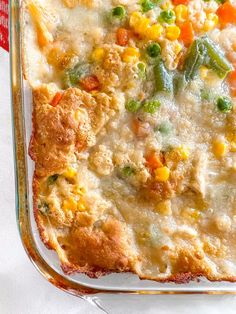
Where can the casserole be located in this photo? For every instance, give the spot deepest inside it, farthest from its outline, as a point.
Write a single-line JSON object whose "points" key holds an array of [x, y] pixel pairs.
{"points": [[45, 260]]}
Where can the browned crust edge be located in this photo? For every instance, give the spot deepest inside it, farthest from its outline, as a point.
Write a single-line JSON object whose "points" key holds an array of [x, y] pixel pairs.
{"points": [[92, 272], [96, 272]]}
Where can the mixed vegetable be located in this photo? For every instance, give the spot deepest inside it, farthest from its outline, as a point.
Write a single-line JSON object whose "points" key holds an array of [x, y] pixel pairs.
{"points": [[166, 44], [192, 49], [171, 29]]}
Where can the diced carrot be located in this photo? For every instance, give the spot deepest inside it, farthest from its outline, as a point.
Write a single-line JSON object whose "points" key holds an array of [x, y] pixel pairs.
{"points": [[232, 82], [154, 161], [56, 99], [227, 13], [122, 36], [232, 76], [187, 33], [140, 128], [90, 83], [176, 2]]}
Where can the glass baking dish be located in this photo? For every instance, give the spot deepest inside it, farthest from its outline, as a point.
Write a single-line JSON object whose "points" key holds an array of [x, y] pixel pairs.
{"points": [[46, 261]]}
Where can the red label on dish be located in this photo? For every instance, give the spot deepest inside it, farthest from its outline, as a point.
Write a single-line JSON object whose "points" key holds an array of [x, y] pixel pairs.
{"points": [[4, 42]]}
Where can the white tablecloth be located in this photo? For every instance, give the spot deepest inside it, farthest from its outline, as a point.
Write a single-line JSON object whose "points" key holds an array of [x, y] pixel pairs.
{"points": [[24, 291]]}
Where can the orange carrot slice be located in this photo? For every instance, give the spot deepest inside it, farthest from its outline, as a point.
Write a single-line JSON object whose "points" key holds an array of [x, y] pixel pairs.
{"points": [[122, 36], [56, 99], [187, 33], [90, 83], [226, 13]]}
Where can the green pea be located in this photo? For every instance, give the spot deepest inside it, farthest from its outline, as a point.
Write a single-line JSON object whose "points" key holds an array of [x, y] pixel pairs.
{"points": [[165, 128], [118, 12], [151, 106], [153, 50], [167, 16], [132, 105], [127, 171], [147, 5], [141, 70], [72, 76], [224, 104]]}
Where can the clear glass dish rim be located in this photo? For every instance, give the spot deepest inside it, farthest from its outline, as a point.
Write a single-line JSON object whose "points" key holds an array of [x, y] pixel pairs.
{"points": [[21, 186]]}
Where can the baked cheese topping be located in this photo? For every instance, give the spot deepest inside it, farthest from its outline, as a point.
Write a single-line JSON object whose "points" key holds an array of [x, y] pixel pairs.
{"points": [[134, 134]]}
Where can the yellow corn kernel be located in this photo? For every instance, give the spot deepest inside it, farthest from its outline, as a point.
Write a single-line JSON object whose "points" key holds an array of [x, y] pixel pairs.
{"points": [[80, 114], [203, 72], [70, 173], [69, 204], [211, 22], [183, 152], [180, 153], [134, 19], [98, 54], [167, 4], [181, 12], [142, 26], [80, 206], [220, 148], [130, 54], [162, 174], [139, 23], [172, 32], [232, 147], [154, 32], [164, 208], [79, 191]]}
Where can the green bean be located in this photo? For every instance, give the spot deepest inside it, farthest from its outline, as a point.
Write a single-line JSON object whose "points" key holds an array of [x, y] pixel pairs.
{"points": [[215, 58], [194, 60], [178, 82], [163, 78]]}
